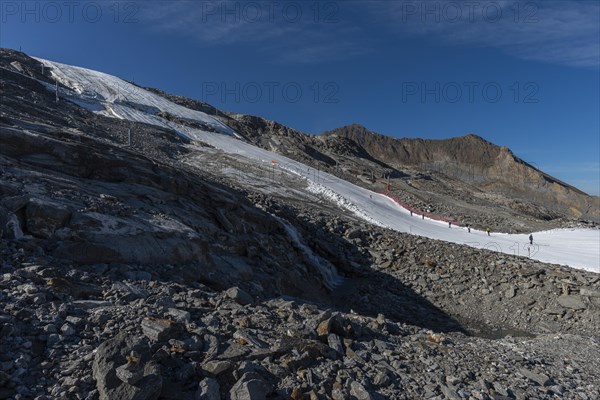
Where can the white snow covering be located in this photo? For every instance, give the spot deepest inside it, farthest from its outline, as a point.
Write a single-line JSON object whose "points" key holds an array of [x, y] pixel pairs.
{"points": [[111, 96], [114, 97]]}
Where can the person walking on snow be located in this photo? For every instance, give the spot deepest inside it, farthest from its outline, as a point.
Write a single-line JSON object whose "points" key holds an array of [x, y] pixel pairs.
{"points": [[449, 224], [469, 228], [488, 231], [530, 239]]}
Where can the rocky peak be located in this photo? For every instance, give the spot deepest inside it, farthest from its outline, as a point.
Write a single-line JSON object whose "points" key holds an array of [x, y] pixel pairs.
{"points": [[475, 161]]}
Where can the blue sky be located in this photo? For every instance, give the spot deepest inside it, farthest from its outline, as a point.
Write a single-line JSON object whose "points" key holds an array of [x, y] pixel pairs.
{"points": [[522, 74]]}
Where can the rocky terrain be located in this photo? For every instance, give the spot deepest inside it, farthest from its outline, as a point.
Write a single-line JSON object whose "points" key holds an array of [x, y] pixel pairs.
{"points": [[169, 270], [492, 169], [465, 178]]}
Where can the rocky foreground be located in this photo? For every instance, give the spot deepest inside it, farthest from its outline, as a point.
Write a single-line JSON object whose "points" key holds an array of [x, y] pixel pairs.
{"points": [[412, 318], [112, 332]]}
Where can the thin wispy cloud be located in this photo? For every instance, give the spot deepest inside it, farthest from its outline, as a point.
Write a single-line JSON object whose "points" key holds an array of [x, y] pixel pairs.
{"points": [[559, 32], [285, 31]]}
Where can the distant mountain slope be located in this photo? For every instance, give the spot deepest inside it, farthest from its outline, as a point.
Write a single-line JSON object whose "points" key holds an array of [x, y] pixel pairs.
{"points": [[467, 170], [353, 152], [476, 161]]}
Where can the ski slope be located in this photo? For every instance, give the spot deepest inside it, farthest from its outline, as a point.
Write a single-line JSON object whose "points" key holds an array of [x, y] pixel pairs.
{"points": [[114, 97]]}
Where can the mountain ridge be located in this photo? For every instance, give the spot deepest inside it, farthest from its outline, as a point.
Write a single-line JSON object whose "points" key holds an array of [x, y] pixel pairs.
{"points": [[467, 138], [267, 124], [472, 157]]}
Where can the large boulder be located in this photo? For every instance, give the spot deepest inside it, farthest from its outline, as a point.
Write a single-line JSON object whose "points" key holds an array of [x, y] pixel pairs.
{"points": [[250, 388], [111, 355], [44, 217]]}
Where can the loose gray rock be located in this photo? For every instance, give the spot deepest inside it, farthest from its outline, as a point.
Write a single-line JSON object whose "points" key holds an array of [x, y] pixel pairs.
{"points": [[130, 373], [248, 337], [572, 302], [67, 330], [359, 392], [253, 389], [113, 353], [208, 389], [157, 330], [178, 315], [541, 379], [216, 367], [511, 292], [335, 343], [239, 296], [449, 393], [589, 293]]}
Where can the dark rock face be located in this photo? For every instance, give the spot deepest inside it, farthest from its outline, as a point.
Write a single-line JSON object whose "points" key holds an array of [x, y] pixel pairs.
{"points": [[470, 149], [208, 390], [108, 238], [43, 218], [10, 226]]}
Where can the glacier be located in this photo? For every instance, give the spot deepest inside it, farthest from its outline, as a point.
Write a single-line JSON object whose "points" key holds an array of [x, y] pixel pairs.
{"points": [[113, 97]]}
